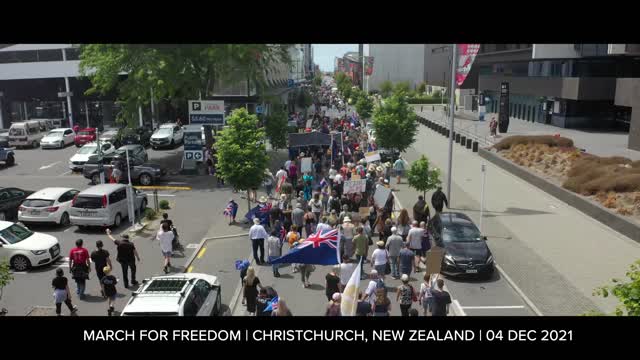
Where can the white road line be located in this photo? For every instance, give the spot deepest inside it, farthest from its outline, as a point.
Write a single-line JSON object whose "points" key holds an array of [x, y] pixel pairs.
{"points": [[66, 173], [494, 307], [161, 195], [49, 166], [192, 246], [177, 183], [519, 292]]}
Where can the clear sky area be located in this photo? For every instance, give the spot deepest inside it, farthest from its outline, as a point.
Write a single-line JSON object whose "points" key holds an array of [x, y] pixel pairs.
{"points": [[324, 54]]}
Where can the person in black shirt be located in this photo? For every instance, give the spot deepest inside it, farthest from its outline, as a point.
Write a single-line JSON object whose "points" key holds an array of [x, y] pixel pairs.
{"points": [[165, 219], [126, 256], [439, 199], [100, 258], [441, 300], [108, 283], [364, 307], [61, 292]]}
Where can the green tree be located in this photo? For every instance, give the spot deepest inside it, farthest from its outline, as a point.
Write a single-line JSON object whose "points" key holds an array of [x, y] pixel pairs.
{"points": [[276, 128], [402, 87], [627, 292], [242, 156], [386, 88], [317, 80], [304, 99], [5, 275], [395, 124], [176, 72], [422, 178], [364, 106], [422, 87]]}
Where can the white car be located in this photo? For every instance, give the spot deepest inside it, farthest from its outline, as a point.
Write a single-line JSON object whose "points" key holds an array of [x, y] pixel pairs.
{"points": [[167, 135], [50, 205], [186, 294], [78, 160], [24, 248], [58, 138]]}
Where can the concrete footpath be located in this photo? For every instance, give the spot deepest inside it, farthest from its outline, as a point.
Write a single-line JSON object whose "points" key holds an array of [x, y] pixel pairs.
{"points": [[597, 142], [554, 253]]}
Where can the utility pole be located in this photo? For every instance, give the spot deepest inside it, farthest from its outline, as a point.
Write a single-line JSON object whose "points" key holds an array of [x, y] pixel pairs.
{"points": [[68, 91], [131, 195], [454, 58], [483, 168]]}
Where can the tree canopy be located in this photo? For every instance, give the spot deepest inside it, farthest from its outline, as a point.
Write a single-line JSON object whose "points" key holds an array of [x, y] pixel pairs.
{"points": [[364, 106], [175, 72], [421, 177], [627, 292], [242, 156], [276, 127], [386, 88], [402, 87], [395, 124]]}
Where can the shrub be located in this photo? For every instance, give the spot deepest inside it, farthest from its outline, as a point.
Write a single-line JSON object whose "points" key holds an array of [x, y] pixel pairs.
{"points": [[164, 204], [551, 141], [150, 214]]}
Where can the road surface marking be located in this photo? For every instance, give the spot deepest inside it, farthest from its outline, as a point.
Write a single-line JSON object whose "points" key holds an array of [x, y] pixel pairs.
{"points": [[192, 246], [69, 229], [165, 195], [49, 166], [189, 269], [177, 183], [494, 307], [66, 173], [202, 251], [515, 287], [19, 272]]}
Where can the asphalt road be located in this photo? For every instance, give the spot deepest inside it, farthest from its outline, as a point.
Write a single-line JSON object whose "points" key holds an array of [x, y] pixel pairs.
{"points": [[193, 212]]}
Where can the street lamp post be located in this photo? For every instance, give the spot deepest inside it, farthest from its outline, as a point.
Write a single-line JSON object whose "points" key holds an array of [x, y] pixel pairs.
{"points": [[483, 168], [131, 193], [454, 57]]}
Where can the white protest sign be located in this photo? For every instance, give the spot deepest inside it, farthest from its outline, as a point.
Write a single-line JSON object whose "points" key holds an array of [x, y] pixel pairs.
{"points": [[372, 156], [309, 123], [381, 196], [354, 186], [305, 165]]}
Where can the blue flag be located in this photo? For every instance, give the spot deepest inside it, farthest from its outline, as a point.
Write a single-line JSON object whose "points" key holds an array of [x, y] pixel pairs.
{"points": [[317, 249], [272, 305], [261, 211]]}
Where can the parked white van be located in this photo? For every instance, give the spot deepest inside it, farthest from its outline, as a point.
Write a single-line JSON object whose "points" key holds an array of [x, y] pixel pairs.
{"points": [[25, 133], [104, 205]]}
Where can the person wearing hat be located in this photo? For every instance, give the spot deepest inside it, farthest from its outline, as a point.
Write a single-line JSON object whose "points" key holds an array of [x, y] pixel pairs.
{"points": [[379, 259], [333, 308], [394, 246], [405, 295], [126, 256], [257, 235], [108, 283]]}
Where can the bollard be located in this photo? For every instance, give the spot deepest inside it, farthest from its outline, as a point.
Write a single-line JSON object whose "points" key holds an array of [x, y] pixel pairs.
{"points": [[458, 138], [447, 133], [469, 143], [156, 204], [463, 140], [421, 110], [475, 146], [433, 108]]}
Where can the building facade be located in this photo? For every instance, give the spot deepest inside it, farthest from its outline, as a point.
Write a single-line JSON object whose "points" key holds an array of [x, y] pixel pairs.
{"points": [[397, 63]]}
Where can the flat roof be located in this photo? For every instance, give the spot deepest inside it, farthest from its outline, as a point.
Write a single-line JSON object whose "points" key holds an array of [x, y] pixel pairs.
{"points": [[26, 47]]}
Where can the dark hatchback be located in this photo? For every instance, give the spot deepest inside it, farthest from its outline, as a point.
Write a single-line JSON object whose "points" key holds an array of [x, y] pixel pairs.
{"points": [[10, 200], [466, 250], [140, 136]]}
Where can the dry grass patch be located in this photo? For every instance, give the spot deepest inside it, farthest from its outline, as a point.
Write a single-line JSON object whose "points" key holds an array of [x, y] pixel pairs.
{"points": [[549, 140]]}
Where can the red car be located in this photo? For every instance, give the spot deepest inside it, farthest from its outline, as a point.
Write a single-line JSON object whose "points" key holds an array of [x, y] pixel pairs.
{"points": [[84, 136]]}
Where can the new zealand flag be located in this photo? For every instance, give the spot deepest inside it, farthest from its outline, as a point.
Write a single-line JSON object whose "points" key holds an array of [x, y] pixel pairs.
{"points": [[319, 249], [261, 211]]}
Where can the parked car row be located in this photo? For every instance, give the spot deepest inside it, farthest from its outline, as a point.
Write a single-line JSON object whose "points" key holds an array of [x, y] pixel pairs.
{"points": [[102, 205]]}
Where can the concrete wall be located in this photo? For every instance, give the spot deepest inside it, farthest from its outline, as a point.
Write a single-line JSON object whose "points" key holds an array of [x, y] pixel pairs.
{"points": [[618, 223], [39, 70], [396, 63], [565, 88], [628, 94], [554, 51], [437, 65]]}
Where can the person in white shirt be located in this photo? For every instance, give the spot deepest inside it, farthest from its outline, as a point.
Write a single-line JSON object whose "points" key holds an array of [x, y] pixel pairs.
{"points": [[274, 251], [323, 225], [379, 259], [346, 270], [257, 234], [370, 292], [414, 240], [165, 237], [316, 206]]}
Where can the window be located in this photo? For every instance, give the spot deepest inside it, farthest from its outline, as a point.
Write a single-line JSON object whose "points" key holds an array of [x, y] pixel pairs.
{"points": [[117, 196], [4, 195], [72, 54], [191, 306], [16, 193], [88, 202], [37, 203], [68, 196], [50, 55], [33, 130], [68, 132]]}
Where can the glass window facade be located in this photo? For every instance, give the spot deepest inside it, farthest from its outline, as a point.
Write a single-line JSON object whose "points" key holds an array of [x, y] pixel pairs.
{"points": [[587, 67]]}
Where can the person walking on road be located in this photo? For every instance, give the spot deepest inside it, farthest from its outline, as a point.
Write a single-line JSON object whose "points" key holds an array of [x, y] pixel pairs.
{"points": [[407, 259], [61, 293], [297, 216], [332, 285], [347, 230], [403, 224], [309, 222], [165, 236], [441, 300], [426, 299], [361, 244], [405, 295], [381, 305], [305, 273], [126, 256], [346, 270], [230, 211], [379, 259], [421, 210], [268, 183], [80, 267], [333, 309], [274, 250], [414, 239], [438, 199], [493, 127], [108, 283], [316, 206], [250, 286], [257, 235], [394, 245], [399, 167], [323, 225], [100, 259]]}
